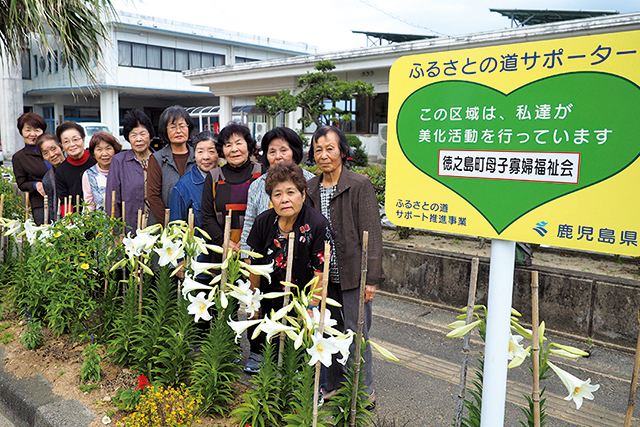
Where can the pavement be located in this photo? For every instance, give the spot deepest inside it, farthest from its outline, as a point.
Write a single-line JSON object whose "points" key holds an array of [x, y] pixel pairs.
{"points": [[421, 390]]}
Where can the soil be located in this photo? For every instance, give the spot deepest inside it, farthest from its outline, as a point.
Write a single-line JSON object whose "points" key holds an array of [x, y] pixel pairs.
{"points": [[60, 360]]}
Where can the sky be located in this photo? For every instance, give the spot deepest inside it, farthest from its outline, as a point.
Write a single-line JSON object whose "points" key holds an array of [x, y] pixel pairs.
{"points": [[327, 24]]}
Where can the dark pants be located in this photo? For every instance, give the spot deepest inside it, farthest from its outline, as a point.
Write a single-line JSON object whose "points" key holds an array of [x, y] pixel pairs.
{"points": [[336, 372], [38, 215]]}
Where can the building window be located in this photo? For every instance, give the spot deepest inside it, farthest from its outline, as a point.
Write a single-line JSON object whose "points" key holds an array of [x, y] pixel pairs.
{"points": [[49, 61], [165, 58], [153, 57], [168, 59], [55, 61], [182, 60], [26, 64], [139, 55], [366, 113], [195, 60], [124, 54], [35, 65], [242, 60]]}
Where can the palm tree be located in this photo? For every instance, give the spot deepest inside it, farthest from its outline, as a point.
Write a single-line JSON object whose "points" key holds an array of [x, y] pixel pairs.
{"points": [[76, 27]]}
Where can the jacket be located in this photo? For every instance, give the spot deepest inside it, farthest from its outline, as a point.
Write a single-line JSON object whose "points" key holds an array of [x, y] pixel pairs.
{"points": [[354, 209], [29, 169], [170, 174], [187, 193]]}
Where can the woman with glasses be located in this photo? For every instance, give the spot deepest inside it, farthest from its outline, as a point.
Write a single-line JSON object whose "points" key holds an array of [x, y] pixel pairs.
{"points": [[51, 151], [168, 165], [128, 171], [103, 147], [69, 173], [28, 166]]}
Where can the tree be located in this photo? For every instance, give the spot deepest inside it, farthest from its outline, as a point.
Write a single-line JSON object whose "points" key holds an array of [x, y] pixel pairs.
{"points": [[76, 27], [317, 87]]}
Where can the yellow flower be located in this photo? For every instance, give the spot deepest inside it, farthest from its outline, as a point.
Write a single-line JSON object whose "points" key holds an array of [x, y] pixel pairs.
{"points": [[84, 266]]}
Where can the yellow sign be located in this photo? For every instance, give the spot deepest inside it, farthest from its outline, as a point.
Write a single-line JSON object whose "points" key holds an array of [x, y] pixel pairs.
{"points": [[534, 142]]}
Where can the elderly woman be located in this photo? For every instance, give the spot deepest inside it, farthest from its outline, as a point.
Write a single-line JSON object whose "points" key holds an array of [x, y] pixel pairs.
{"points": [[103, 146], [168, 165], [285, 184], [226, 188], [69, 173], [280, 144], [51, 151], [348, 201], [187, 193], [128, 171], [28, 167]]}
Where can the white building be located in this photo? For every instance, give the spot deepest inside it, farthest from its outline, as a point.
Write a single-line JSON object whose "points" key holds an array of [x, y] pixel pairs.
{"points": [[234, 83], [141, 68]]}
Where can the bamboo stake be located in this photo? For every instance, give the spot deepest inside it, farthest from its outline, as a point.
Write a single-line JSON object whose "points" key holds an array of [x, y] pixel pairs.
{"points": [[113, 204], [124, 227], [187, 260], [356, 356], [634, 383], [1, 235], [535, 348], [46, 209], [145, 220], [26, 206], [471, 302], [78, 202], [287, 289], [166, 217], [323, 306], [225, 248], [140, 272]]}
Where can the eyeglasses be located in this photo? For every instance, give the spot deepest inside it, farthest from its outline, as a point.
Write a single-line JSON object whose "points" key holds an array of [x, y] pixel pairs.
{"points": [[75, 140], [181, 126]]}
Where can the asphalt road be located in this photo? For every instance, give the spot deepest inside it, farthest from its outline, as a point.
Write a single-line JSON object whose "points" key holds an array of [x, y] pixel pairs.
{"points": [[421, 390]]}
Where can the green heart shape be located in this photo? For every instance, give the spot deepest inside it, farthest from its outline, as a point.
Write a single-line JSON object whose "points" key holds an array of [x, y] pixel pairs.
{"points": [[598, 101]]}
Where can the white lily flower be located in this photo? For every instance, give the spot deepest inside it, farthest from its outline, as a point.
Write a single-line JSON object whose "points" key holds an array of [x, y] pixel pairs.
{"points": [[240, 326], [342, 344], [260, 270], [224, 302], [515, 348], [577, 388], [463, 330], [200, 245], [144, 239], [240, 291], [315, 320], [169, 252], [573, 351], [12, 227], [131, 247], [251, 253], [517, 354], [189, 285], [45, 234], [321, 350], [271, 328], [31, 231], [199, 307], [252, 301], [203, 267]]}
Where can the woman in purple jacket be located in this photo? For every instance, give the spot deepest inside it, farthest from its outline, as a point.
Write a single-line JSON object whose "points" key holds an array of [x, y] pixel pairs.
{"points": [[128, 171]]}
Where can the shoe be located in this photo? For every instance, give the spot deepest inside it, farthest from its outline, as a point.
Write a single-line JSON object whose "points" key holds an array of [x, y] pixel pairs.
{"points": [[253, 363], [372, 401]]}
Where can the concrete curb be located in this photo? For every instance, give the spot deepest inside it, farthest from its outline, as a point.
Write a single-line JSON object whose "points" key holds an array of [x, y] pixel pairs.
{"points": [[30, 402]]}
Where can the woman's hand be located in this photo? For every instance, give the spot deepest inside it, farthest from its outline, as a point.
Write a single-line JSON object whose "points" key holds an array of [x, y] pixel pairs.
{"points": [[235, 246], [40, 189], [369, 292]]}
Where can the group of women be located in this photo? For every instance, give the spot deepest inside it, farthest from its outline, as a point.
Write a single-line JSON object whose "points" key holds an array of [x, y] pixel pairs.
{"points": [[268, 201]]}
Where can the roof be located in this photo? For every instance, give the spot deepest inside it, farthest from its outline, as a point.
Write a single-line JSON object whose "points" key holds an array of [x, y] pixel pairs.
{"points": [[395, 37], [540, 16]]}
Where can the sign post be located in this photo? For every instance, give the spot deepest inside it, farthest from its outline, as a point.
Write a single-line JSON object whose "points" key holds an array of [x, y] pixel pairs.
{"points": [[533, 142]]}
